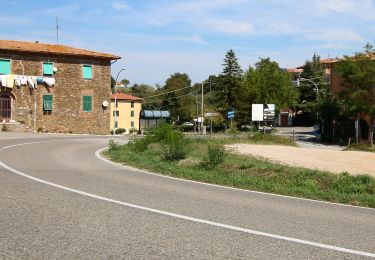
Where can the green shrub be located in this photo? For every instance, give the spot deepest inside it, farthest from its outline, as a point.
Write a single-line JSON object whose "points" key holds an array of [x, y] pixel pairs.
{"points": [[270, 139], [120, 131], [139, 144], [112, 145], [4, 128], [174, 146], [215, 156]]}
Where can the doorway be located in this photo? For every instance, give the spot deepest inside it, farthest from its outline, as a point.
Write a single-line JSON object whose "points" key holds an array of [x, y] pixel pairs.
{"points": [[5, 107]]}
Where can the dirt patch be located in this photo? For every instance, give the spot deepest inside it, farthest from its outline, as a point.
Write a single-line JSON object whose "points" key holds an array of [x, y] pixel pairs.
{"points": [[328, 160]]}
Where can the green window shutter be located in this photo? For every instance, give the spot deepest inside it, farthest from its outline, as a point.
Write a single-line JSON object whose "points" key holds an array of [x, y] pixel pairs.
{"points": [[4, 66], [131, 113], [87, 103], [47, 68], [47, 102], [116, 124], [87, 71], [132, 124]]}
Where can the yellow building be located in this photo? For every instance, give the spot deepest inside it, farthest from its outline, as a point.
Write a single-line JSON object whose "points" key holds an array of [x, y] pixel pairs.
{"points": [[125, 111]]}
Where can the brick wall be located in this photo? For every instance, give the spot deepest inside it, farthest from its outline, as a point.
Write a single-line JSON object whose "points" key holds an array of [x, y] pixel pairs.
{"points": [[67, 115]]}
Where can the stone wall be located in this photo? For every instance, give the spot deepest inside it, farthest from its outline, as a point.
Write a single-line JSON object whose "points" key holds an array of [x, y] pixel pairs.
{"points": [[67, 115]]}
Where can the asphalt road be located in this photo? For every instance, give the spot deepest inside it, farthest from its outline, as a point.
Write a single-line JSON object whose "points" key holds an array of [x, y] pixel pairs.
{"points": [[69, 204]]}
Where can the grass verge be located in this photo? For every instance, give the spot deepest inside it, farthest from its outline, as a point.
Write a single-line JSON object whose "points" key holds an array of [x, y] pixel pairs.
{"points": [[251, 173], [361, 148]]}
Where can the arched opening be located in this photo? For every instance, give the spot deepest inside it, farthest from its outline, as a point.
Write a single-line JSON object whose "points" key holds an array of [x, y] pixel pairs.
{"points": [[5, 106]]}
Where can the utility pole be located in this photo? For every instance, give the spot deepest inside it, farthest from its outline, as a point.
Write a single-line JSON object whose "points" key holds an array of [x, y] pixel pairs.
{"points": [[202, 112], [196, 101]]}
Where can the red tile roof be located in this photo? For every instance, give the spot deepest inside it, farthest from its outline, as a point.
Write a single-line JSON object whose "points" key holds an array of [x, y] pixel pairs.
{"points": [[294, 70], [42, 48], [328, 61], [122, 96]]}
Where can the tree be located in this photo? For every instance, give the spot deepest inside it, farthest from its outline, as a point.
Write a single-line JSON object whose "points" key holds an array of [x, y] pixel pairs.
{"points": [[113, 82], [126, 82], [142, 90], [308, 96], [266, 83], [230, 82], [177, 98], [358, 73]]}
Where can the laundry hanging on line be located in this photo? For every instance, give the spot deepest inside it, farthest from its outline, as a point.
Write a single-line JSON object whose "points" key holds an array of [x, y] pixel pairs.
{"points": [[11, 80]]}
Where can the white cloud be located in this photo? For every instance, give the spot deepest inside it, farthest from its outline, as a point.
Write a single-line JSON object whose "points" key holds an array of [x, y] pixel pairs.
{"points": [[334, 35], [281, 28], [120, 5], [232, 27], [363, 9]]}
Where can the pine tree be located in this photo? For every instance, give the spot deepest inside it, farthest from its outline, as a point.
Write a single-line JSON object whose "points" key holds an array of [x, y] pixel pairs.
{"points": [[230, 80]]}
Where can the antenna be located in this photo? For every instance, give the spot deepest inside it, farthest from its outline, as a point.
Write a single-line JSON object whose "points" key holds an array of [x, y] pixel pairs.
{"points": [[57, 30]]}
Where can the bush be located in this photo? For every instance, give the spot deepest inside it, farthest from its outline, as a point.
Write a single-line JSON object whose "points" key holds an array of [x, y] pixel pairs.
{"points": [[174, 146], [215, 156], [140, 144], [4, 128], [112, 145], [270, 139], [120, 131]]}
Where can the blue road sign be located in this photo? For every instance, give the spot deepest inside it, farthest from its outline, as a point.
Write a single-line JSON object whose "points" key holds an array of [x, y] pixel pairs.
{"points": [[230, 114]]}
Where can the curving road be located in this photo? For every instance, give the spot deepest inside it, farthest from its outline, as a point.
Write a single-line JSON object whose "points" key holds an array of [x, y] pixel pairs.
{"points": [[59, 200]]}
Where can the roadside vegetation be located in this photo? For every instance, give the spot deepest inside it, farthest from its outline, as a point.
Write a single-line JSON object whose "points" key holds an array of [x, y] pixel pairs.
{"points": [[361, 148], [167, 151]]}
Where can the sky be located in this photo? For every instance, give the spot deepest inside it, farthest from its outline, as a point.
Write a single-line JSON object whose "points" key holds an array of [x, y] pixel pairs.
{"points": [[157, 38]]}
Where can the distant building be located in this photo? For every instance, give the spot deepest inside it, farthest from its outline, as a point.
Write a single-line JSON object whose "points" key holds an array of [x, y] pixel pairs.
{"points": [[55, 88], [153, 118], [125, 112]]}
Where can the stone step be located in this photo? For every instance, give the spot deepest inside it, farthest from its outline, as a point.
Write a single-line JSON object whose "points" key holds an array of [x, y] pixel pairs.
{"points": [[14, 127]]}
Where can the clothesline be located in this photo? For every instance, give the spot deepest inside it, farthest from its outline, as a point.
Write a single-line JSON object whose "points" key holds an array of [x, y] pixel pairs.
{"points": [[11, 80]]}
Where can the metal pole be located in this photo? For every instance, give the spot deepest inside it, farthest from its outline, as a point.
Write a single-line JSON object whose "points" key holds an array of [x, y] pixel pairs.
{"points": [[196, 101], [211, 125], [114, 115], [202, 112], [35, 110]]}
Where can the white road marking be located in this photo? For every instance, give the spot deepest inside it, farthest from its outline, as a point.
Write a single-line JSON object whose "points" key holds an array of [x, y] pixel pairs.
{"points": [[98, 155], [197, 220]]}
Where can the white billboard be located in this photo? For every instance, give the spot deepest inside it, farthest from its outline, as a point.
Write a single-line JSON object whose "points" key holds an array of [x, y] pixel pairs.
{"points": [[263, 112]]}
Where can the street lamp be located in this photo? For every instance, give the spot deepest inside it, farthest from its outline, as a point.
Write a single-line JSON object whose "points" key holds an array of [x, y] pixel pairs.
{"points": [[115, 108], [309, 80], [123, 69]]}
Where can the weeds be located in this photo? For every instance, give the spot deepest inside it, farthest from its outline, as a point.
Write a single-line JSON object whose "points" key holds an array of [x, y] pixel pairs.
{"points": [[112, 145], [215, 156]]}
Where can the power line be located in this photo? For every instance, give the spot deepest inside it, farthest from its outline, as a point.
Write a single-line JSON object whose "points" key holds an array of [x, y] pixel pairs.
{"points": [[154, 101], [168, 92]]}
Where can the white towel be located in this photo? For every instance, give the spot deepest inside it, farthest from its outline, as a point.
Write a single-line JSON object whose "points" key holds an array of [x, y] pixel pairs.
{"points": [[30, 82], [3, 80], [49, 81], [23, 80]]}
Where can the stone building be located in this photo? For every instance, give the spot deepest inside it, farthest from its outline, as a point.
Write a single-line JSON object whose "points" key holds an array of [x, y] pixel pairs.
{"points": [[55, 88]]}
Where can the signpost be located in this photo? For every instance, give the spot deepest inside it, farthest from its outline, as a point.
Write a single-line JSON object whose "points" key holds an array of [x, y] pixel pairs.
{"points": [[230, 116], [211, 115], [262, 113]]}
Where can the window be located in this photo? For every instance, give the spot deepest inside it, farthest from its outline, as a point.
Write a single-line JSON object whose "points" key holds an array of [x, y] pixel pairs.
{"points": [[132, 124], [47, 103], [87, 71], [131, 113], [116, 124], [132, 104], [116, 113], [87, 103], [4, 66], [47, 68]]}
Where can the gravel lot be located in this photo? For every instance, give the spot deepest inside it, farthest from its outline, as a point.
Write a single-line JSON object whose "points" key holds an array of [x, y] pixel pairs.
{"points": [[313, 158]]}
